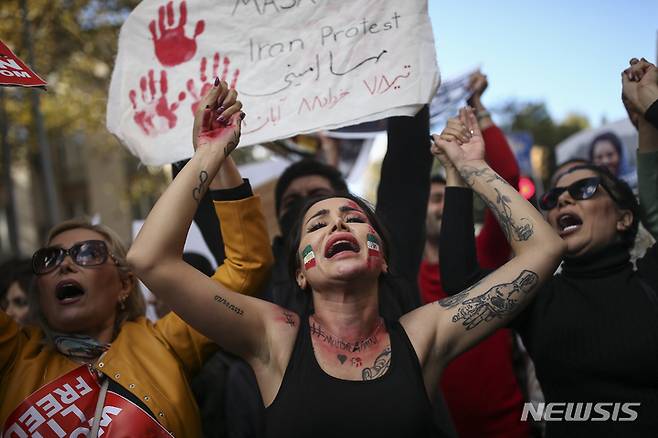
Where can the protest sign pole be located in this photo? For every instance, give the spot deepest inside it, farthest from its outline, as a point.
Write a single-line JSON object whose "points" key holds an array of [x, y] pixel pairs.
{"points": [[44, 147], [8, 182]]}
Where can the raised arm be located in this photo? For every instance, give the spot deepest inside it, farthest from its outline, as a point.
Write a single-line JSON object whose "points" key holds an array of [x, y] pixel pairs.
{"points": [[402, 197], [460, 321], [236, 322], [491, 246], [639, 94]]}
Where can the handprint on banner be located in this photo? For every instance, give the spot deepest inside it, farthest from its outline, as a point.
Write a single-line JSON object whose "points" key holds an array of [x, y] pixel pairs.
{"points": [[208, 79], [172, 47], [154, 115]]}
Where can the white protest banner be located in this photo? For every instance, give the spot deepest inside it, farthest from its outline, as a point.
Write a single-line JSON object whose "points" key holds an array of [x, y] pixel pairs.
{"points": [[299, 66]]}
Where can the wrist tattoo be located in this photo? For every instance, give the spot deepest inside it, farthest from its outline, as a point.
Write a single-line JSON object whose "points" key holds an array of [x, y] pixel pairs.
{"points": [[497, 302], [232, 144], [470, 172], [198, 191]]}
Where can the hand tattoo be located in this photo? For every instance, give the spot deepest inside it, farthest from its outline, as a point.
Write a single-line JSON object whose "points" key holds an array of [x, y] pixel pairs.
{"points": [[197, 193], [498, 302]]}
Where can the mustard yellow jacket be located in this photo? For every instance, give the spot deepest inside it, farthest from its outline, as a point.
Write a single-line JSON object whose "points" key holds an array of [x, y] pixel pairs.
{"points": [[153, 361]]}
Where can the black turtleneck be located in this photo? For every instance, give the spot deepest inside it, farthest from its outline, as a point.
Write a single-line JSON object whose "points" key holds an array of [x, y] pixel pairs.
{"points": [[592, 331]]}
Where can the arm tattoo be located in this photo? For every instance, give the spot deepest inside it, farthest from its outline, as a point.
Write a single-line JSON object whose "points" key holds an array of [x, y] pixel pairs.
{"points": [[197, 193], [382, 363], [452, 301], [229, 306], [503, 211], [468, 172], [519, 232], [289, 318], [498, 302]]}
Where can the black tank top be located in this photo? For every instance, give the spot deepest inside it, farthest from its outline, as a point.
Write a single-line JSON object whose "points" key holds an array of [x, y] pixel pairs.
{"points": [[311, 403]]}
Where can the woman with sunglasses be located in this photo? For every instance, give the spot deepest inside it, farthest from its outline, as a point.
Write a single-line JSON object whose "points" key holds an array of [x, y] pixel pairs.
{"points": [[340, 369], [95, 366], [592, 331]]}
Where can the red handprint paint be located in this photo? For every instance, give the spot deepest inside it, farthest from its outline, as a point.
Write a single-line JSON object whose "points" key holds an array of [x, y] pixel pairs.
{"points": [[172, 47], [154, 114], [207, 79]]}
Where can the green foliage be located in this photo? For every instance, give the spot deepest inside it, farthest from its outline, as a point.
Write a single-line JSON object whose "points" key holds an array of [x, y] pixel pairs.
{"points": [[74, 46], [534, 118]]}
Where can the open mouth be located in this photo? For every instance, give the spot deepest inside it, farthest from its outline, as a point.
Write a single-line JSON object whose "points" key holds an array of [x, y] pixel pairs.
{"points": [[68, 291], [340, 244], [568, 223]]}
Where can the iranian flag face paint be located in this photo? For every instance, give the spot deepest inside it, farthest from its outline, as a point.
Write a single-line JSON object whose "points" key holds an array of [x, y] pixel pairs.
{"points": [[309, 257], [373, 246]]}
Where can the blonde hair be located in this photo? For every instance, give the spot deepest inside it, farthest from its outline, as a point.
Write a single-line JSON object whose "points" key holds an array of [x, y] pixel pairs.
{"points": [[134, 305]]}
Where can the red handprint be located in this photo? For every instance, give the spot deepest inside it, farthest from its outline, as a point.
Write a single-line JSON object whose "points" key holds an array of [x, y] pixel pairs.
{"points": [[156, 115], [207, 80], [172, 47]]}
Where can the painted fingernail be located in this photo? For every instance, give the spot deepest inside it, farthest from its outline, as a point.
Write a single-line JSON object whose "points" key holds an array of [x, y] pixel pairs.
{"points": [[207, 106], [242, 115], [221, 119], [220, 109], [216, 81]]}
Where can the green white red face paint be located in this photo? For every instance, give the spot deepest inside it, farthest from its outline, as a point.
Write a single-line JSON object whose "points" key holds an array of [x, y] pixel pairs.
{"points": [[308, 256], [373, 246]]}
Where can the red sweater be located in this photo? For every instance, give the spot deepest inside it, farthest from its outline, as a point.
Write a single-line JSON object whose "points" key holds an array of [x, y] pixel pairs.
{"points": [[480, 387]]}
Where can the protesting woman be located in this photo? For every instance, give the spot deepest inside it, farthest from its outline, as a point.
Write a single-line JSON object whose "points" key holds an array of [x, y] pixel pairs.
{"points": [[95, 365], [340, 369], [592, 332]]}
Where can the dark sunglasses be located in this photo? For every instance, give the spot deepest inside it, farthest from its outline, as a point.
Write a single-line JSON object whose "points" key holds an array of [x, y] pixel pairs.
{"points": [[579, 190], [86, 253]]}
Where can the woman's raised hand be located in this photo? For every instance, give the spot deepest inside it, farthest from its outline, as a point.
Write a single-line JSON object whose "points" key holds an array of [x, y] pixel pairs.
{"points": [[218, 120], [461, 140]]}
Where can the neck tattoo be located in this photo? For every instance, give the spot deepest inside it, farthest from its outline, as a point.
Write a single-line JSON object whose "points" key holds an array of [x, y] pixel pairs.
{"points": [[352, 346]]}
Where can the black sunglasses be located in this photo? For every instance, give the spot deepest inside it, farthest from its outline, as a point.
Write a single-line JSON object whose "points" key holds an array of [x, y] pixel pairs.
{"points": [[579, 190], [86, 253]]}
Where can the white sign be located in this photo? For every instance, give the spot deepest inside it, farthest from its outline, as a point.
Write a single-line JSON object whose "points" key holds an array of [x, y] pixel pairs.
{"points": [[299, 66]]}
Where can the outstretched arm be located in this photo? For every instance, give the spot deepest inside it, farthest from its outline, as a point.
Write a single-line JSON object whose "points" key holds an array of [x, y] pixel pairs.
{"points": [[236, 322], [466, 318], [402, 198], [639, 93]]}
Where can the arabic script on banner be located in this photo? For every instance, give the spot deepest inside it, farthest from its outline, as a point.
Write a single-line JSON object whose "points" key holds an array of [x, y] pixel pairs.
{"points": [[299, 66]]}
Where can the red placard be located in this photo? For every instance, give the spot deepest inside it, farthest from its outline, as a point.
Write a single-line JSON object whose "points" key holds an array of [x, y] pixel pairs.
{"points": [[65, 407], [14, 72]]}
